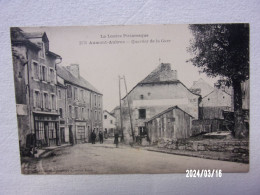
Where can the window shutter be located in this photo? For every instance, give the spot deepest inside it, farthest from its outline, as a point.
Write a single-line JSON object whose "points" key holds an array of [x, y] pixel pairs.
{"points": [[40, 72], [55, 77], [48, 74], [56, 102], [50, 102], [33, 71], [34, 99], [41, 99]]}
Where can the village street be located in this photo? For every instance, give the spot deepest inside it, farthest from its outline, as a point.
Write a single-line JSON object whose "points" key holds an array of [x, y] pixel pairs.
{"points": [[107, 159]]}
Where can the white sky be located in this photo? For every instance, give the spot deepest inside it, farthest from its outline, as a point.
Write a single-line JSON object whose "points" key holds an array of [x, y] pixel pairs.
{"points": [[101, 64]]}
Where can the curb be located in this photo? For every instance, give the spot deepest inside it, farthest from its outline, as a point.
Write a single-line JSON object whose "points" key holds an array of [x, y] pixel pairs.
{"points": [[48, 151]]}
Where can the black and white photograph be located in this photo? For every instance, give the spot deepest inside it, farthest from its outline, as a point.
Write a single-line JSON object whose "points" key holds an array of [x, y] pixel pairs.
{"points": [[132, 99]]}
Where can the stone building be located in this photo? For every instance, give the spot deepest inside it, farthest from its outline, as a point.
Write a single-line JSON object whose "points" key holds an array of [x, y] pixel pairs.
{"points": [[160, 90], [35, 88], [213, 104], [82, 105], [109, 123], [173, 123], [201, 87]]}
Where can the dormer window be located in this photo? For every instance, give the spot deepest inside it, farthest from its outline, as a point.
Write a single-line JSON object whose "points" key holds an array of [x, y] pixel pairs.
{"points": [[42, 51]]}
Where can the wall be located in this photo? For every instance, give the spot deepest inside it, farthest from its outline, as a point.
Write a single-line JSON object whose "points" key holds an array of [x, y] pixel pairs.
{"points": [[107, 123], [156, 98], [217, 98]]}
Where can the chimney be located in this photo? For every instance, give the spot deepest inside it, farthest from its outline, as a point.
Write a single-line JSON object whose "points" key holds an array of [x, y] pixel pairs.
{"points": [[74, 69], [165, 67], [167, 73]]}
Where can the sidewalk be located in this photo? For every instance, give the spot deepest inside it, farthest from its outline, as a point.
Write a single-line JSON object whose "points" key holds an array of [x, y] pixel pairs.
{"points": [[44, 151]]}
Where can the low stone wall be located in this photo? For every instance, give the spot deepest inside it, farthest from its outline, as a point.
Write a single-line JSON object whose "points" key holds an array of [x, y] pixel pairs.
{"points": [[232, 146]]}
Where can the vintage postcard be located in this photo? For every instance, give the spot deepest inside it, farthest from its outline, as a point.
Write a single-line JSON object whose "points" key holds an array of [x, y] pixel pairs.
{"points": [[140, 99]]}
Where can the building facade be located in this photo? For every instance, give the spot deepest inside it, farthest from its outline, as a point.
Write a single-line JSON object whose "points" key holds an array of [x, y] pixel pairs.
{"points": [[35, 88], [201, 87], [83, 107], [109, 124], [160, 90], [213, 104]]}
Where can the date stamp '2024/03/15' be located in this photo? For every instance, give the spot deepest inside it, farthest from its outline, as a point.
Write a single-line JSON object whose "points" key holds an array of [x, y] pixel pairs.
{"points": [[204, 173]]}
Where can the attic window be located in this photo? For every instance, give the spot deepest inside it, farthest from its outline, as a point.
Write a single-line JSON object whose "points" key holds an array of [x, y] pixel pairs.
{"points": [[141, 97], [223, 97], [208, 99], [42, 51]]}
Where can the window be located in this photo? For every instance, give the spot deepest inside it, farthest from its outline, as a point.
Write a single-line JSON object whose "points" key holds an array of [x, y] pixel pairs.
{"points": [[46, 100], [141, 97], [59, 94], [42, 51], [111, 121], [70, 111], [69, 91], [36, 70], [37, 99], [99, 115], [95, 115], [81, 95], [75, 93], [52, 75], [76, 112], [52, 130], [79, 113], [61, 113], [88, 114], [53, 102], [95, 100], [105, 116], [44, 73], [99, 101], [82, 113], [142, 114]]}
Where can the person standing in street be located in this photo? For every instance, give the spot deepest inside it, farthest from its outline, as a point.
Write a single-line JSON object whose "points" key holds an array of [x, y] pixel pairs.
{"points": [[116, 139], [100, 137], [93, 137]]}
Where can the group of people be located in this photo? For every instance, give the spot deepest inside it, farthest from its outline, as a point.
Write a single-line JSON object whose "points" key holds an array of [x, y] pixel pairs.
{"points": [[93, 137]]}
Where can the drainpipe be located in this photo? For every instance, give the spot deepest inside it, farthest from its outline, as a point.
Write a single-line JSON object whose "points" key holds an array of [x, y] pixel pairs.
{"points": [[58, 128]]}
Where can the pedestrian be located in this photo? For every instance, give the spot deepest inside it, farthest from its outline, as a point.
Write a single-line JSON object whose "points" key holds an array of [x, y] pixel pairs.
{"points": [[94, 137], [116, 139], [100, 137]]}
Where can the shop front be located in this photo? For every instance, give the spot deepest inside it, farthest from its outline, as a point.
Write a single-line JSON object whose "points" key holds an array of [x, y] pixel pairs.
{"points": [[46, 126]]}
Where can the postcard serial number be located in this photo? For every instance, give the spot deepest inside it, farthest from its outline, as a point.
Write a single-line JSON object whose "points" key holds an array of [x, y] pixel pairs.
{"points": [[204, 173]]}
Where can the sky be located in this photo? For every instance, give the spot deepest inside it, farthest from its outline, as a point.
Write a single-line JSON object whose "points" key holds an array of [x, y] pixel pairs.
{"points": [[134, 51]]}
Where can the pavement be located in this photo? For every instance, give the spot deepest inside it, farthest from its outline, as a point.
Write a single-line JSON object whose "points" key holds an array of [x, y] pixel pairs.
{"points": [[107, 159]]}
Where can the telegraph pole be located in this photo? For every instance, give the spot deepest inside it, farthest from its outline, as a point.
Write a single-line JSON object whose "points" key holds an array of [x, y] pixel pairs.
{"points": [[121, 120], [129, 110]]}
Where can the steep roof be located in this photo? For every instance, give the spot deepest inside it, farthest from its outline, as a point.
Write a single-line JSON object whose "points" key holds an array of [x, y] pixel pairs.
{"points": [[67, 76], [163, 74], [204, 87], [109, 113], [165, 111]]}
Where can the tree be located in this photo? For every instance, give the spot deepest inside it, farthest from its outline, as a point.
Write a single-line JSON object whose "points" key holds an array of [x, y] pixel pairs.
{"points": [[223, 50]]}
